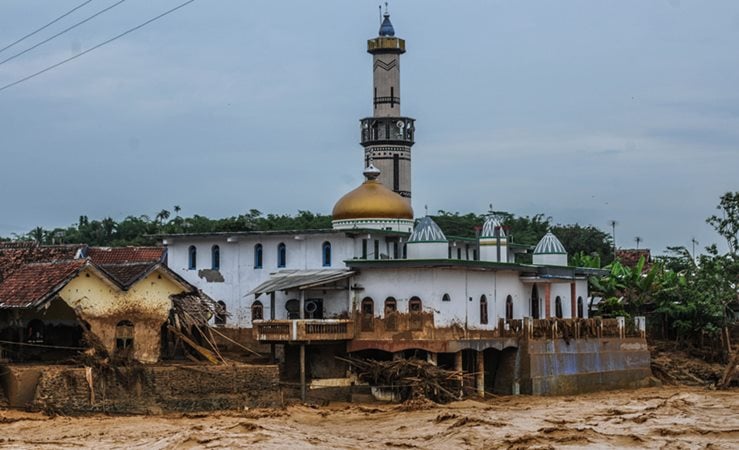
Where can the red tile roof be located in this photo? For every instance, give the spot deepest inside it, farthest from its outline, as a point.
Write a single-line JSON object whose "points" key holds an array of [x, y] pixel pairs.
{"points": [[125, 255], [14, 255], [33, 283]]}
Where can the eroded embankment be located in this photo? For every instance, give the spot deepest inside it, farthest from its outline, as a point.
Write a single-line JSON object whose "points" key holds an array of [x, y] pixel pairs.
{"points": [[671, 417]]}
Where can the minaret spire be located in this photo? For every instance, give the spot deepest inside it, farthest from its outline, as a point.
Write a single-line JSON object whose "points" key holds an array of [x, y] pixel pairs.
{"points": [[387, 136]]}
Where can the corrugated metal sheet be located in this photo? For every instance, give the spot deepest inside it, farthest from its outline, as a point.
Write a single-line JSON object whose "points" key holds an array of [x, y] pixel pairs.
{"points": [[300, 279]]}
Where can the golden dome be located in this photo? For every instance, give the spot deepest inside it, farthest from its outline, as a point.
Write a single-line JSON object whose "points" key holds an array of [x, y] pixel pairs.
{"points": [[372, 200]]}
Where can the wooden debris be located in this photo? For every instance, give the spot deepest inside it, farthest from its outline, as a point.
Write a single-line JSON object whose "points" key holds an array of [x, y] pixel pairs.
{"points": [[412, 378]]}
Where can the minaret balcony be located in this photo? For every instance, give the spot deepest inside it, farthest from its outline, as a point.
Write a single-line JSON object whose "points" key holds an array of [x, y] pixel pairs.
{"points": [[388, 131], [386, 45]]}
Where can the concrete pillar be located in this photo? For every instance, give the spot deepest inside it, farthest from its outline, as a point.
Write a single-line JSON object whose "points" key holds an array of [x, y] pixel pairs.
{"points": [[547, 300], [302, 304], [272, 306], [573, 302], [480, 375], [302, 372], [458, 368]]}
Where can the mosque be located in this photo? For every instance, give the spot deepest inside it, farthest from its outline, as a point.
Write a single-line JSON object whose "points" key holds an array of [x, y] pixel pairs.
{"points": [[382, 283]]}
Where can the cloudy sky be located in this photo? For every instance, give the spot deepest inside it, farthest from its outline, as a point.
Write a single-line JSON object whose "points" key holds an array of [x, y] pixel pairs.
{"points": [[586, 111]]}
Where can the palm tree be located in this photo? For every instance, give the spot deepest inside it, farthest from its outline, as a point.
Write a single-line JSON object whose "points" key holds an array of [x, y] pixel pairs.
{"points": [[177, 210]]}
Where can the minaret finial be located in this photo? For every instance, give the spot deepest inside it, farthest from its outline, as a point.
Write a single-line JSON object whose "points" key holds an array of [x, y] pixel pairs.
{"points": [[386, 13], [426, 207]]}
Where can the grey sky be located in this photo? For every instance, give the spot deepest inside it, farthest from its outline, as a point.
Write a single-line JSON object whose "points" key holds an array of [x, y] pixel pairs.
{"points": [[584, 110]]}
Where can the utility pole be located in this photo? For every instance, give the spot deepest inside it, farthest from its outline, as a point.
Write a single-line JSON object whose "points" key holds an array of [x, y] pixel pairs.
{"points": [[694, 242]]}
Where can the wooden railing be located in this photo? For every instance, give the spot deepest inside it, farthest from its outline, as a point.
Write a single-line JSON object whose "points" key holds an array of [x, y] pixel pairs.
{"points": [[303, 330]]}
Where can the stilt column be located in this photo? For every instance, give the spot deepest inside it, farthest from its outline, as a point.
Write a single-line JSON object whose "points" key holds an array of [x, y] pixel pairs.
{"points": [[459, 369], [480, 376], [302, 372]]}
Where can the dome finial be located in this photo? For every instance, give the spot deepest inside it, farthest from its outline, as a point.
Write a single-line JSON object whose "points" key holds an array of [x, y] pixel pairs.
{"points": [[371, 172], [386, 27]]}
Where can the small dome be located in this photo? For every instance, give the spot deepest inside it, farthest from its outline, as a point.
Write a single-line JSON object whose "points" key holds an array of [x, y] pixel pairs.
{"points": [[550, 245], [386, 28], [372, 200], [490, 226], [427, 231]]}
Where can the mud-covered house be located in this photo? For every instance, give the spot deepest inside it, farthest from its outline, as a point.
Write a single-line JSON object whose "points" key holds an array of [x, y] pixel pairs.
{"points": [[49, 294]]}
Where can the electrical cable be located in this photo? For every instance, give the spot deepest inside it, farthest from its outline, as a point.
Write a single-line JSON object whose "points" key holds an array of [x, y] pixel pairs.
{"points": [[46, 26], [62, 32], [130, 30]]}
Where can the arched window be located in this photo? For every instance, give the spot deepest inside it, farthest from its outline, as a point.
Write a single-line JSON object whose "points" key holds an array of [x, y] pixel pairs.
{"points": [[391, 305], [405, 251], [534, 302], [215, 257], [415, 305], [192, 257], [509, 308], [220, 317], [580, 312], [124, 335], [293, 308], [257, 311], [483, 310], [558, 307], [281, 255], [368, 314], [415, 321], [326, 254], [391, 319], [258, 256], [446, 298]]}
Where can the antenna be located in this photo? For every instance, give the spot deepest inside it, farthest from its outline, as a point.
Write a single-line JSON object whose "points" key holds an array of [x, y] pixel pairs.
{"points": [[379, 7]]}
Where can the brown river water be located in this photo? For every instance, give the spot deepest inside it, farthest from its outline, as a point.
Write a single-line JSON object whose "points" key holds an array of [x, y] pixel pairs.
{"points": [[668, 417]]}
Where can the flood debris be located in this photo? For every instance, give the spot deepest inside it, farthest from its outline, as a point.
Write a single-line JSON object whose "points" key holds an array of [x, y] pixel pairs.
{"points": [[412, 379]]}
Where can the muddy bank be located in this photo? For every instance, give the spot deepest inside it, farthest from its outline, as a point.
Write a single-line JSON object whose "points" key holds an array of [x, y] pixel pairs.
{"points": [[670, 417]]}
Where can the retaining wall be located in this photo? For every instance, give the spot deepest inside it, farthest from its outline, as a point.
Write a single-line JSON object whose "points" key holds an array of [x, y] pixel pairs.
{"points": [[142, 389]]}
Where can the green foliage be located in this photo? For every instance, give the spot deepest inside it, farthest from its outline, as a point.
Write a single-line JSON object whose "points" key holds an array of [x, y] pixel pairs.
{"points": [[727, 225], [141, 230]]}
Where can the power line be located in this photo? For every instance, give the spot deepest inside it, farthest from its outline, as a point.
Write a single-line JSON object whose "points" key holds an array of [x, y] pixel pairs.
{"points": [[46, 26], [62, 32], [130, 30]]}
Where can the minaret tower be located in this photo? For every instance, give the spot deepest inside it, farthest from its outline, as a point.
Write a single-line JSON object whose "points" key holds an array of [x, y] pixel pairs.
{"points": [[387, 136]]}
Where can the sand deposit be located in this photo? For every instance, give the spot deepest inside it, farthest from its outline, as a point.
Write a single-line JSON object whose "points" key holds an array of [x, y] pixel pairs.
{"points": [[669, 417]]}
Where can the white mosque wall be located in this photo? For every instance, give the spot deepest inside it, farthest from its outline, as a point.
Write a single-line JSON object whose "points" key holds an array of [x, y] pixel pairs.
{"points": [[428, 250], [238, 275], [489, 252], [550, 259]]}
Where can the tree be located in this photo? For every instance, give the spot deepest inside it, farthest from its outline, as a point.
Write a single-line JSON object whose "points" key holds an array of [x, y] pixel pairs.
{"points": [[727, 225]]}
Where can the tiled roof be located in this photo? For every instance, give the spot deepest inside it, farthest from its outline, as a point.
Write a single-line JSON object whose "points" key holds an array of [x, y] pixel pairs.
{"points": [[125, 255], [14, 255], [33, 283], [630, 257], [127, 274]]}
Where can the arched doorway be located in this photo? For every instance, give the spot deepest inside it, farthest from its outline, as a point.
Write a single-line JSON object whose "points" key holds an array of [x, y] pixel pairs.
{"points": [[535, 302], [368, 314]]}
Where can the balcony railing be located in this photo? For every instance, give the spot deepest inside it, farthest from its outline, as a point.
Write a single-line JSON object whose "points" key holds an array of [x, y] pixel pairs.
{"points": [[303, 330]]}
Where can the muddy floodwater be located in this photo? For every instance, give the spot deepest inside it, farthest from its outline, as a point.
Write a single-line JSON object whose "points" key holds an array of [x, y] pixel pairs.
{"points": [[668, 417]]}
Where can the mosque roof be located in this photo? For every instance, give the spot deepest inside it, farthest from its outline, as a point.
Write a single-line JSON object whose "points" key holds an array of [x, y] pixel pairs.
{"points": [[427, 231], [372, 200], [550, 245], [490, 226], [386, 28]]}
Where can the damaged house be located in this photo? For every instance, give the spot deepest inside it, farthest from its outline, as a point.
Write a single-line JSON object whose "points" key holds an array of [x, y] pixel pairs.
{"points": [[49, 294]]}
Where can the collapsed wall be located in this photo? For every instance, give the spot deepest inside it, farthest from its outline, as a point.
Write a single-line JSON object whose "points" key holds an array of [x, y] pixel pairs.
{"points": [[144, 389]]}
